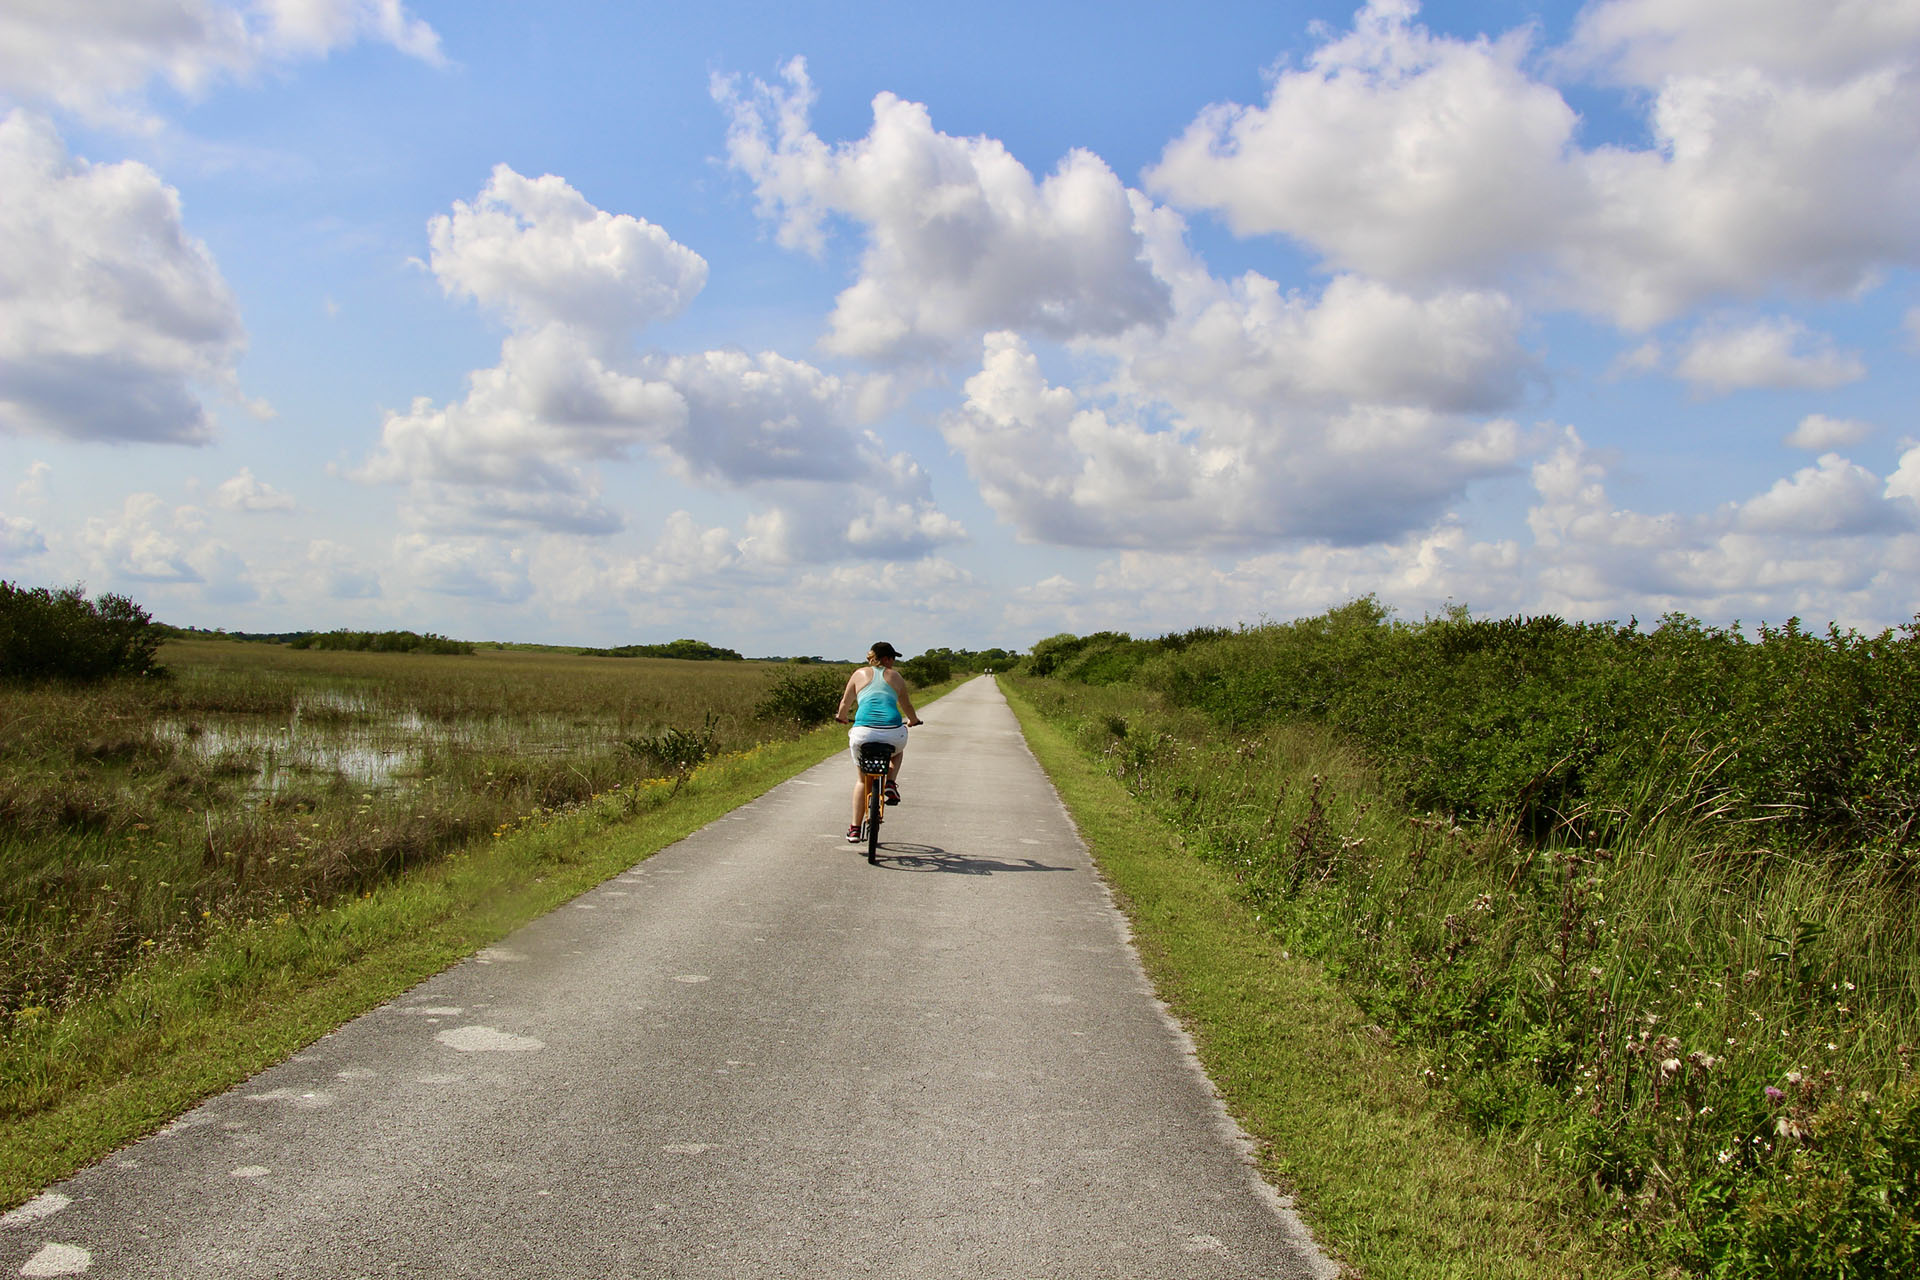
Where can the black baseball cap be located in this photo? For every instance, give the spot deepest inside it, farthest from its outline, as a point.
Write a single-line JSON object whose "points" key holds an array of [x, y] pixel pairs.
{"points": [[880, 648]]}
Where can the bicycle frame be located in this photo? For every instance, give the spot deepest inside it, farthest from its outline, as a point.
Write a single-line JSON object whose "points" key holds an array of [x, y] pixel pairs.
{"points": [[876, 758]]}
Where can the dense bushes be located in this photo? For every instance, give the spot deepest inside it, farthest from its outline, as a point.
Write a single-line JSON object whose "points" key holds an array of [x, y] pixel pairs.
{"points": [[1107, 657], [974, 660], [1808, 739], [926, 669], [61, 635], [686, 650], [379, 642]]}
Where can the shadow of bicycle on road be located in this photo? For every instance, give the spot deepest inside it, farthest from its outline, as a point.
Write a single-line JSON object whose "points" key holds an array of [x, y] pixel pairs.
{"points": [[901, 856]]}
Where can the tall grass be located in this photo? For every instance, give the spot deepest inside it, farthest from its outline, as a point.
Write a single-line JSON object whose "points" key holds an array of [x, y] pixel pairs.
{"points": [[1711, 1040], [139, 815]]}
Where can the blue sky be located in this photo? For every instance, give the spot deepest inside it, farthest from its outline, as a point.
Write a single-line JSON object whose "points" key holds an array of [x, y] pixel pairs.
{"points": [[604, 323]]}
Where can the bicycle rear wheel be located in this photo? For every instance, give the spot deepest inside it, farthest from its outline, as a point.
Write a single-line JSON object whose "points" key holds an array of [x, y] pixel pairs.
{"points": [[874, 785]]}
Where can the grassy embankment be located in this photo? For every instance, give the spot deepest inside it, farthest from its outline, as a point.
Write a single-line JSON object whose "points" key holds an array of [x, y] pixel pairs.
{"points": [[1391, 1184], [205, 873], [1659, 938]]}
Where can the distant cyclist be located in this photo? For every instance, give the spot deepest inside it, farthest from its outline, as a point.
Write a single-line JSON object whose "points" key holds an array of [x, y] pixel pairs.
{"points": [[876, 696]]}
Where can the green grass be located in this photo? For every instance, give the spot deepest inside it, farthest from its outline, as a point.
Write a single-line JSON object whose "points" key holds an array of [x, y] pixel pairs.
{"points": [[1390, 1181]]}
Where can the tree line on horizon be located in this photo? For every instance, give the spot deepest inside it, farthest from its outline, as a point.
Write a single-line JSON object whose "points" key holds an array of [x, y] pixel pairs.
{"points": [[58, 633]]}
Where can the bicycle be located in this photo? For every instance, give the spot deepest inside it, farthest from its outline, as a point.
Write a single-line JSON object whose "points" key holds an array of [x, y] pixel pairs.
{"points": [[876, 758]]}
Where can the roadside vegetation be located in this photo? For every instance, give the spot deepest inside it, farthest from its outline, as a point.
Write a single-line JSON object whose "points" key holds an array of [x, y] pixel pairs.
{"points": [[1641, 903], [1345, 1125], [140, 815]]}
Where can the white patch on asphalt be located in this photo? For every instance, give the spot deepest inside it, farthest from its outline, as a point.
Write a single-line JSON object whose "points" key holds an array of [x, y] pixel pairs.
{"points": [[58, 1260], [192, 1120], [251, 1171], [487, 1040], [691, 977], [356, 1073], [298, 1099], [502, 955], [616, 893], [1025, 840], [432, 1010], [1204, 1244], [687, 1148], [438, 1079], [42, 1206], [583, 906]]}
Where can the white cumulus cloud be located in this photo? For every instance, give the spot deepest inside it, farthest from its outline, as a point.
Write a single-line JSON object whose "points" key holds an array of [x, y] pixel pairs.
{"points": [[1245, 342], [147, 546], [20, 537], [111, 315], [1904, 483], [476, 568], [1823, 543], [1136, 472], [34, 487], [1644, 42], [1833, 497], [1819, 433], [98, 59], [245, 491], [339, 572], [959, 237], [527, 447], [1398, 154], [1424, 159], [1772, 353], [536, 249]]}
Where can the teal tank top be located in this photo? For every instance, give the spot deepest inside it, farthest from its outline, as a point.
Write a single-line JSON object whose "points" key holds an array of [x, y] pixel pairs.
{"points": [[879, 706]]}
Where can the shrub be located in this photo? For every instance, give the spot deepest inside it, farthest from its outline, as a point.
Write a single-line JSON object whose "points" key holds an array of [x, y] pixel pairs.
{"points": [[1804, 738], [675, 753], [61, 635], [926, 669], [805, 696]]}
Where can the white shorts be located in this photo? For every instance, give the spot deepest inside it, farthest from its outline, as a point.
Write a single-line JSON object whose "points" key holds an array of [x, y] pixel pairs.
{"points": [[896, 737]]}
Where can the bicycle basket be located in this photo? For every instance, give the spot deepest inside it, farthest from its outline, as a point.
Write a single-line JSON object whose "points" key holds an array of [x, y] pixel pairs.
{"points": [[875, 757]]}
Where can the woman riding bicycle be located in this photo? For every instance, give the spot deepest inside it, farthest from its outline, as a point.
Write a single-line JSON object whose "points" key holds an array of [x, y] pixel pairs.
{"points": [[876, 695]]}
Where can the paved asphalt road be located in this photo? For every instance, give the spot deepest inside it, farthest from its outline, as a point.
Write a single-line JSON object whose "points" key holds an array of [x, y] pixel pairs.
{"points": [[751, 1055]]}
